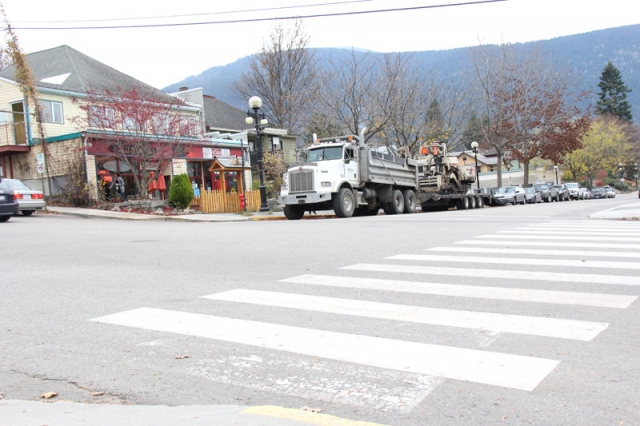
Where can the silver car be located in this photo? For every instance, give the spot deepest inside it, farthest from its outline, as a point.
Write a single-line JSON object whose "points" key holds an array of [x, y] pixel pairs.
{"points": [[28, 200], [511, 194], [532, 196]]}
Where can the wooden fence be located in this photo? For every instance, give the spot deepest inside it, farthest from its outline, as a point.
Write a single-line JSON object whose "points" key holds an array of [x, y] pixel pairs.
{"points": [[225, 202]]}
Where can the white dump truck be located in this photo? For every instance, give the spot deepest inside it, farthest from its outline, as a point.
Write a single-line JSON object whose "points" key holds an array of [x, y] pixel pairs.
{"points": [[345, 175]]}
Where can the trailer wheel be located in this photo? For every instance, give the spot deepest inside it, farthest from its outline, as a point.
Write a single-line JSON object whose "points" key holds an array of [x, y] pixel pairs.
{"points": [[396, 206], [386, 209], [344, 203], [463, 203], [480, 202], [293, 212], [472, 202], [410, 201]]}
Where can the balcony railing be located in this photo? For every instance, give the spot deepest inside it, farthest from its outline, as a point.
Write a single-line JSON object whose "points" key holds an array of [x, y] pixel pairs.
{"points": [[13, 134]]}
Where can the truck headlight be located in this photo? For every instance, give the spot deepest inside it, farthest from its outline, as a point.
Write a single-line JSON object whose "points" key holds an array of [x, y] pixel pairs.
{"points": [[325, 183]]}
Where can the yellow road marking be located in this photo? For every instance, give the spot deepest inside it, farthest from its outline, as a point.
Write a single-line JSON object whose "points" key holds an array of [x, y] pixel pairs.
{"points": [[302, 416]]}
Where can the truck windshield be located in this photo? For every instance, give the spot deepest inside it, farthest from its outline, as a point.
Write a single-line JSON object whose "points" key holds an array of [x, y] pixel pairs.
{"points": [[325, 153]]}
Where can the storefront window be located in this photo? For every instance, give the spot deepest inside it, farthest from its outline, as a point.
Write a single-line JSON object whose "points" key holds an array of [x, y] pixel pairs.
{"points": [[194, 170]]}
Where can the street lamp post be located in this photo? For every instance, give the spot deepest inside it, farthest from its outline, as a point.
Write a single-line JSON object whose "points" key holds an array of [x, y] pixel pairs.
{"points": [[621, 172], [474, 148], [555, 168], [257, 118]]}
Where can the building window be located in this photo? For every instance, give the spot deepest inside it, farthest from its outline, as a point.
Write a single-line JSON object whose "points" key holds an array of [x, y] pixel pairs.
{"points": [[102, 117], [161, 124], [51, 112], [132, 124], [188, 125]]}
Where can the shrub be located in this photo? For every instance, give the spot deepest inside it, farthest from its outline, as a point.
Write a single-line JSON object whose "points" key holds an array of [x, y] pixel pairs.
{"points": [[181, 192]]}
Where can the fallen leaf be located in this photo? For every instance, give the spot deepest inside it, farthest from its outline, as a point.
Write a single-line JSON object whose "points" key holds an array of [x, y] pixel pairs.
{"points": [[48, 395], [503, 418], [97, 393], [183, 356], [313, 410]]}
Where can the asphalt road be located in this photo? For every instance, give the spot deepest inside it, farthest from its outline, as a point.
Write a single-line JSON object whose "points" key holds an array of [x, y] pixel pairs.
{"points": [[519, 314]]}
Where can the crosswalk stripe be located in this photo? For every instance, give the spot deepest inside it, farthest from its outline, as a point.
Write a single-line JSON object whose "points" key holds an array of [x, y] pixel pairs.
{"points": [[476, 292], [517, 324], [494, 273], [492, 368], [585, 228], [549, 244], [553, 237], [520, 261], [569, 232], [548, 252]]}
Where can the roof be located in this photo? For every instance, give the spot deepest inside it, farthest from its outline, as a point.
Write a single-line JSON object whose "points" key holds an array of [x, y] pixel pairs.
{"points": [[489, 161], [64, 68], [222, 116]]}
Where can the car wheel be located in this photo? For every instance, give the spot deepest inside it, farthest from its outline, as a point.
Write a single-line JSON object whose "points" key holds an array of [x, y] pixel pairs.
{"points": [[27, 212], [5, 218]]}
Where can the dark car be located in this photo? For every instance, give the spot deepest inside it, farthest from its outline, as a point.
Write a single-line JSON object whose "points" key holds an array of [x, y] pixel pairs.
{"points": [[563, 192], [547, 192], [598, 193], [8, 203], [29, 200]]}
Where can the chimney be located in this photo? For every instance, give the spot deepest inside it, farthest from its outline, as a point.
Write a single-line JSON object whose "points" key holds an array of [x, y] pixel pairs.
{"points": [[183, 88]]}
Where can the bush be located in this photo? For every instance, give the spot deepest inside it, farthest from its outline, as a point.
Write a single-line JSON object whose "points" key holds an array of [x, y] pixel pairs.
{"points": [[181, 192]]}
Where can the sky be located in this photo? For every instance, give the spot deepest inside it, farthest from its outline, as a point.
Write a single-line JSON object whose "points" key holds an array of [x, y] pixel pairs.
{"points": [[161, 56]]}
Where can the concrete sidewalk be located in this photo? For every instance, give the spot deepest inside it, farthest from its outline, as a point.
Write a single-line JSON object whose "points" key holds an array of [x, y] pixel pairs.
{"points": [[64, 413]]}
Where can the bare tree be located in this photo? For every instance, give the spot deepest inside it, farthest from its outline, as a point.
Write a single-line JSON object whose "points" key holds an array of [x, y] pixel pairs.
{"points": [[530, 108], [284, 75]]}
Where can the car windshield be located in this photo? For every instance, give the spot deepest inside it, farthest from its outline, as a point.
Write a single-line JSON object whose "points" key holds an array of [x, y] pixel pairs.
{"points": [[506, 190], [15, 184], [598, 190], [572, 185], [530, 190], [542, 187], [325, 153], [3, 185]]}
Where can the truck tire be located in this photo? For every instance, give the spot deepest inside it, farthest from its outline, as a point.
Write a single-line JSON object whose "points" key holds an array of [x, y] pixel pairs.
{"points": [[472, 202], [386, 209], [480, 202], [344, 203], [463, 203], [293, 212], [410, 201], [396, 206]]}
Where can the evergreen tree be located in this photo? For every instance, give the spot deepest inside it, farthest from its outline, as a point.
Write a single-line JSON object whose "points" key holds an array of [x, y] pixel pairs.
{"points": [[613, 95]]}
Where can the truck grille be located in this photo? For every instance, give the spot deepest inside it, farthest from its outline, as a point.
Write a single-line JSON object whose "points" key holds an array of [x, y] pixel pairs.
{"points": [[300, 181]]}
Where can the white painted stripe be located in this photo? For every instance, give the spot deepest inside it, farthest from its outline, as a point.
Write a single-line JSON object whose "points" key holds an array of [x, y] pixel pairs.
{"points": [[471, 291], [520, 261], [494, 273], [549, 244], [517, 324], [552, 237], [582, 228], [561, 253], [578, 232], [491, 368]]}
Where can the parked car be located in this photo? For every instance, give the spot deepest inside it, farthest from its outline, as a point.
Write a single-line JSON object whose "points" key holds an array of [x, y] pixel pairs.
{"points": [[611, 193], [563, 192], [585, 194], [532, 196], [574, 190], [598, 193], [548, 192], [511, 194], [28, 200], [8, 203]]}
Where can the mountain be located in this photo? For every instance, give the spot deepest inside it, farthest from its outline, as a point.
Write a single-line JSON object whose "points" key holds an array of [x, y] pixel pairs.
{"points": [[584, 54]]}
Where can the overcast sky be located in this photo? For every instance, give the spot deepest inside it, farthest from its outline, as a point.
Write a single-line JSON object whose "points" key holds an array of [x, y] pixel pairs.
{"points": [[165, 55]]}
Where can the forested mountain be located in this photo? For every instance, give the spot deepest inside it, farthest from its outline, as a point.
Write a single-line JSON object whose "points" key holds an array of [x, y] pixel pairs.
{"points": [[585, 55]]}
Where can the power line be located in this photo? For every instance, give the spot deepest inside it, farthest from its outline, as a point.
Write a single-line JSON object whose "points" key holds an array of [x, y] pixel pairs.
{"points": [[282, 18], [265, 9]]}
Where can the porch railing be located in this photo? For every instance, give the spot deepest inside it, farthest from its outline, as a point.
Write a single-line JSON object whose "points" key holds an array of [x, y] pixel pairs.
{"points": [[225, 202]]}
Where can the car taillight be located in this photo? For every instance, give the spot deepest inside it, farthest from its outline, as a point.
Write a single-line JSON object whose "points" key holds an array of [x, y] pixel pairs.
{"points": [[17, 196], [37, 196]]}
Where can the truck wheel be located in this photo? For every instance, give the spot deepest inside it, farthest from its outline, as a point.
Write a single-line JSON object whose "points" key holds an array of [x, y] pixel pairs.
{"points": [[293, 212], [396, 206], [410, 201], [386, 209], [472, 202], [463, 203], [479, 202], [344, 203]]}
